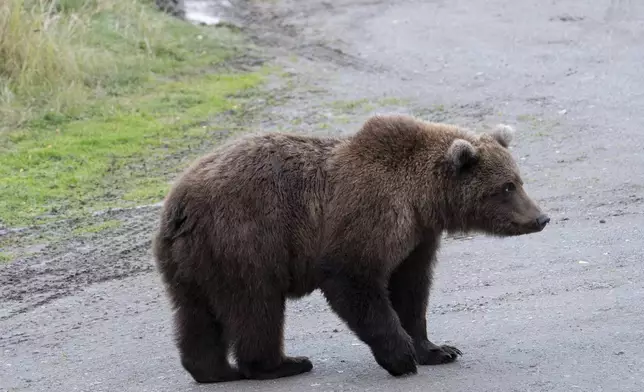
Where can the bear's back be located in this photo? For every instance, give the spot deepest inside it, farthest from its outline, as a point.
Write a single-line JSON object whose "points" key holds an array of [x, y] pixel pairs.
{"points": [[261, 170]]}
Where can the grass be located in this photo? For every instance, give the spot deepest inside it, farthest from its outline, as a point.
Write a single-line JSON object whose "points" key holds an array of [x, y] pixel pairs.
{"points": [[5, 257], [57, 53], [97, 227], [101, 101], [537, 126], [364, 104]]}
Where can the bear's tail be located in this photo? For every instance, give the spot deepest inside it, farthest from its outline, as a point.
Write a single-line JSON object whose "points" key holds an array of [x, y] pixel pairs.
{"points": [[173, 223]]}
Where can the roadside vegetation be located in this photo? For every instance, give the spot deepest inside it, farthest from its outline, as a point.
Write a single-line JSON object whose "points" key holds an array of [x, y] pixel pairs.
{"points": [[102, 101]]}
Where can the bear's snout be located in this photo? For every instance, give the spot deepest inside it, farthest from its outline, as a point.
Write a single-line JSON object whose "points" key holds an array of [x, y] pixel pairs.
{"points": [[542, 221]]}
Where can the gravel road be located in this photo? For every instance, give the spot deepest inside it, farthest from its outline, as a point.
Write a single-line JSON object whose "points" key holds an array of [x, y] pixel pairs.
{"points": [[562, 310]]}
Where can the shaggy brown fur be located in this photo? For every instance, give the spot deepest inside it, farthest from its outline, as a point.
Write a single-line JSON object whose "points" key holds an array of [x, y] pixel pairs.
{"points": [[268, 217]]}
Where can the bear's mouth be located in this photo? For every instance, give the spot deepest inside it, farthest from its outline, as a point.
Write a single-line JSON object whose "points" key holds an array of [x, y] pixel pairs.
{"points": [[511, 228], [522, 228]]}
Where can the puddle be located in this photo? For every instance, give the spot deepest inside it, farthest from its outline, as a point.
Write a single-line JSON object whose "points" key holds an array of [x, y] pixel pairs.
{"points": [[206, 12]]}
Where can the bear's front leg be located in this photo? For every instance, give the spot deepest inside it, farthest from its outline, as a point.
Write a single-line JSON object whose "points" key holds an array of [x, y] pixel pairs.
{"points": [[409, 287], [361, 300]]}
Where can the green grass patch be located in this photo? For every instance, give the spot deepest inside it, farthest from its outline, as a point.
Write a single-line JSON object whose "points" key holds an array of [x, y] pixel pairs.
{"points": [[5, 257], [365, 104], [538, 127], [57, 169], [101, 100], [97, 228]]}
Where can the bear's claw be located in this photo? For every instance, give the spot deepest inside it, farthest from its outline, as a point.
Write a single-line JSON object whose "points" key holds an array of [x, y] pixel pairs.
{"points": [[430, 354]]}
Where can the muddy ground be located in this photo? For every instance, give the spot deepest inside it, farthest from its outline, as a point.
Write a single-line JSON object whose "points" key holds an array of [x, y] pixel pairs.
{"points": [[562, 310]]}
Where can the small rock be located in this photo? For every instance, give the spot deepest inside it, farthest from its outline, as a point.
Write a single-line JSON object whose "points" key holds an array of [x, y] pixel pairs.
{"points": [[602, 221], [562, 112], [567, 18], [583, 262], [619, 353]]}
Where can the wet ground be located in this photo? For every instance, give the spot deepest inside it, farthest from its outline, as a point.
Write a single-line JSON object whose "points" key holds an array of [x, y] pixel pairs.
{"points": [[562, 310]]}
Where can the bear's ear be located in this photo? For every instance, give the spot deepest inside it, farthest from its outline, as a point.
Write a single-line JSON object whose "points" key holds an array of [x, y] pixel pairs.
{"points": [[503, 134], [462, 154]]}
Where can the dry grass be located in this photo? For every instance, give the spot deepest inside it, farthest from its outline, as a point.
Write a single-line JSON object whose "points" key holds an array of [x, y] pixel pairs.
{"points": [[57, 54], [43, 59]]}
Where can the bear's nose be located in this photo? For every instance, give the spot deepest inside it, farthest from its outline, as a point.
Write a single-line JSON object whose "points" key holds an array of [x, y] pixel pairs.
{"points": [[543, 220]]}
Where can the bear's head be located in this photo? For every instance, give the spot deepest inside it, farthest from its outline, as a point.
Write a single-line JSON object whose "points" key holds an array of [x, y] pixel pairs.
{"points": [[488, 194]]}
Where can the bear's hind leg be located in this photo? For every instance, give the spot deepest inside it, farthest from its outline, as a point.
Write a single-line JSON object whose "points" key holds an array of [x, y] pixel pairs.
{"points": [[201, 341], [409, 288], [259, 324]]}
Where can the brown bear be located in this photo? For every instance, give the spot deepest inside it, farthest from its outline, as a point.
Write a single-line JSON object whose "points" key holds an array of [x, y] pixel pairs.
{"points": [[275, 216]]}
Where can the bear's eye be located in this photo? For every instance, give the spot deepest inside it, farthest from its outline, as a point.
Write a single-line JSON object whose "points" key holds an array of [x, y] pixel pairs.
{"points": [[509, 187]]}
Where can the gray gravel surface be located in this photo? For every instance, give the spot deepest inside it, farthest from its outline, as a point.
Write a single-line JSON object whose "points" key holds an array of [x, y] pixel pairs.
{"points": [[562, 310]]}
